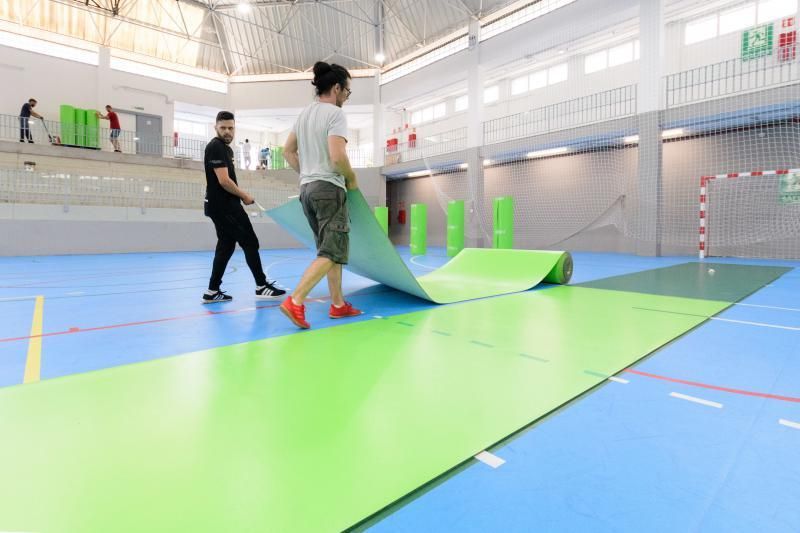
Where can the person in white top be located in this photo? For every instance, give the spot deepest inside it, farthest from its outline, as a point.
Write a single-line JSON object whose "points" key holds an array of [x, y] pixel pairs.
{"points": [[246, 149], [316, 149]]}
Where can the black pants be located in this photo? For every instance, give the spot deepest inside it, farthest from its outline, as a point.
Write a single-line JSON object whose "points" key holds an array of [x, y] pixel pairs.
{"points": [[25, 130], [233, 225]]}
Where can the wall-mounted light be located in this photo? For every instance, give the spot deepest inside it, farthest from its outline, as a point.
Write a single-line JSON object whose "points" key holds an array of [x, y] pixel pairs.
{"points": [[547, 153]]}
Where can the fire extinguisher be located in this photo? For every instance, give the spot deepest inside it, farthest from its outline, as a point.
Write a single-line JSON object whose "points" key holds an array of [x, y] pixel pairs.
{"points": [[401, 213], [175, 138], [412, 138]]}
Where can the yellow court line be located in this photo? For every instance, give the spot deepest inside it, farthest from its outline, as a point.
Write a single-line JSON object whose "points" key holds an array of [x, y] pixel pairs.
{"points": [[33, 364]]}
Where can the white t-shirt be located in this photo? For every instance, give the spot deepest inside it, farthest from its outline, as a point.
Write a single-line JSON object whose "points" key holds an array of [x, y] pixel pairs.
{"points": [[246, 149], [315, 124]]}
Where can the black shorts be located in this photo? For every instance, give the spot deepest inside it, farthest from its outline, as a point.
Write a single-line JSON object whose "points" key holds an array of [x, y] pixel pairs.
{"points": [[325, 207], [115, 133]]}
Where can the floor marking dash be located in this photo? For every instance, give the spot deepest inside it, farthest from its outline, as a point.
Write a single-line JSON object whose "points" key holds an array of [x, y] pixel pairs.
{"points": [[379, 317], [479, 343], [490, 459], [789, 423], [595, 374], [618, 380], [701, 401], [534, 358], [33, 362], [405, 324]]}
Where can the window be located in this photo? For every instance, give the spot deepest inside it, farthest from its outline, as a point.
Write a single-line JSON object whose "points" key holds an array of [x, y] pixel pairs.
{"points": [[774, 9], [619, 55], [426, 59], [596, 62], [537, 80], [416, 117], [48, 48], [439, 110], [636, 50], [738, 19], [520, 17], [700, 30], [427, 114], [141, 69], [462, 103], [519, 85], [491, 94], [557, 74]]}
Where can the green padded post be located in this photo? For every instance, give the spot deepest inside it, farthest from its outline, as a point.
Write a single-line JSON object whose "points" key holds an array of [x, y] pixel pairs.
{"points": [[80, 127], [419, 229], [504, 222], [455, 227], [92, 129], [67, 116], [382, 214]]}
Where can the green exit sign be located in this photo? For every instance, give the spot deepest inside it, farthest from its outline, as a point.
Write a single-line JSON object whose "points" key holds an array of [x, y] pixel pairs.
{"points": [[757, 42]]}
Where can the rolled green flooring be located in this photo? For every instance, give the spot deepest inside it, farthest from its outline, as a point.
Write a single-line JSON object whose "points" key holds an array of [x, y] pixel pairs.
{"points": [[473, 273], [316, 431]]}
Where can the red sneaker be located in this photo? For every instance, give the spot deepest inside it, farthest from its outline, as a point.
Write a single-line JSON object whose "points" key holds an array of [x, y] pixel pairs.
{"points": [[295, 313], [345, 311]]}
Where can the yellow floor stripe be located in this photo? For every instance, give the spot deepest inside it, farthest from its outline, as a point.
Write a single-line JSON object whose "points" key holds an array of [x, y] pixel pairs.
{"points": [[33, 364]]}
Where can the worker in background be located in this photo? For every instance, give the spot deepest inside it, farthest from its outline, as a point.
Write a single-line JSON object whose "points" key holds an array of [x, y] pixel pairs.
{"points": [[25, 115], [247, 149], [114, 125]]}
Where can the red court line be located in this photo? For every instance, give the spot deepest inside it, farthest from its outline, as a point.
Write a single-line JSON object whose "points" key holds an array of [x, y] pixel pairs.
{"points": [[72, 331], [714, 387]]}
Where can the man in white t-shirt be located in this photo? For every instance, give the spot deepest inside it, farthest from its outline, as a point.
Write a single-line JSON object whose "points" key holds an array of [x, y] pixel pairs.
{"points": [[316, 148], [246, 148]]}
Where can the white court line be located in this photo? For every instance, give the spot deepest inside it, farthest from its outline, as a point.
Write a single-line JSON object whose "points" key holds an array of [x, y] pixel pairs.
{"points": [[618, 380], [17, 299], [748, 323], [421, 265], [768, 307], [789, 423], [695, 400], [490, 459], [377, 316], [76, 293]]}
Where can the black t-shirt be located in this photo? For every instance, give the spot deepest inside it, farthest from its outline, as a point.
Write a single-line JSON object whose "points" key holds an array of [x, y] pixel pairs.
{"points": [[26, 110], [218, 155]]}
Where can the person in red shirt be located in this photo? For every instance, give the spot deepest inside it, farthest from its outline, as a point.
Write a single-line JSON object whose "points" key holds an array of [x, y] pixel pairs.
{"points": [[113, 119]]}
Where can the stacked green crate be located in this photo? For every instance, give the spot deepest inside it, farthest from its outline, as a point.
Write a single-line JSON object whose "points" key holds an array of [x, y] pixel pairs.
{"points": [[80, 127], [92, 129], [278, 162], [504, 222], [67, 116]]}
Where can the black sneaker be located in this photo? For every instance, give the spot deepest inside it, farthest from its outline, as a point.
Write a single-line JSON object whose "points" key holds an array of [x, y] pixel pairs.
{"points": [[212, 297], [269, 291]]}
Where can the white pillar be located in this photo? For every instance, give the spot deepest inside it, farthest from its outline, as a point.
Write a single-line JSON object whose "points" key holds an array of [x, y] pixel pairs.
{"points": [[475, 81], [378, 124], [651, 103], [105, 90]]}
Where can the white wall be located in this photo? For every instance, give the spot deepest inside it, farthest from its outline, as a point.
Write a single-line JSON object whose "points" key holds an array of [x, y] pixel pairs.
{"points": [[524, 45]]}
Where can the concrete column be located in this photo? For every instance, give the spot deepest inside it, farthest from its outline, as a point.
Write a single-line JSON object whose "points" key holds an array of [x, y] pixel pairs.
{"points": [[378, 124], [475, 82], [104, 87]]}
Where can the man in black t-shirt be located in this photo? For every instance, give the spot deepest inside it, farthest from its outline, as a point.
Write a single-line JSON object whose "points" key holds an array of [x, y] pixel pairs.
{"points": [[25, 115], [224, 206]]}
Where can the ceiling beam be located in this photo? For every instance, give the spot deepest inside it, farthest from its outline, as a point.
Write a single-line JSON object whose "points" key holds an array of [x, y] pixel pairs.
{"points": [[223, 45]]}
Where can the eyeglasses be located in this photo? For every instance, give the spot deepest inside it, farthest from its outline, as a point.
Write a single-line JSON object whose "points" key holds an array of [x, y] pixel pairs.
{"points": [[349, 91]]}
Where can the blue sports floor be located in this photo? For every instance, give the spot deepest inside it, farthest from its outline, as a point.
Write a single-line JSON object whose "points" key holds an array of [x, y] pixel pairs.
{"points": [[629, 456]]}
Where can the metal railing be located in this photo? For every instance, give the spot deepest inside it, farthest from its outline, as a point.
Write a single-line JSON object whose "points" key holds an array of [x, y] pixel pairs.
{"points": [[427, 146], [606, 105], [729, 77], [176, 146], [65, 189]]}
